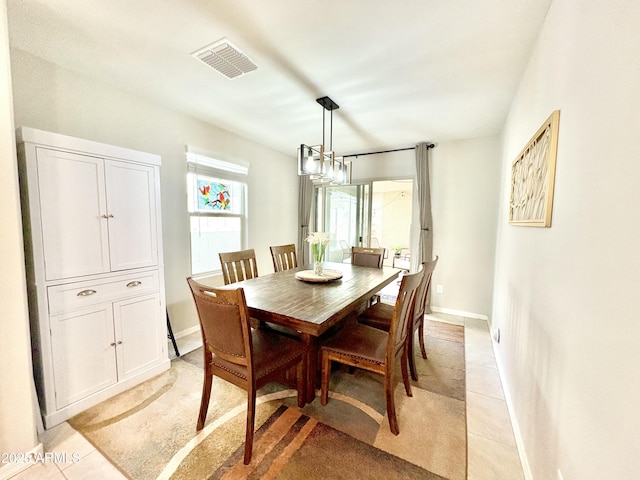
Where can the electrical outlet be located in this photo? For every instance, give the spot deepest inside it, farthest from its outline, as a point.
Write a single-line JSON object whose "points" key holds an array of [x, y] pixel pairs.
{"points": [[439, 288]]}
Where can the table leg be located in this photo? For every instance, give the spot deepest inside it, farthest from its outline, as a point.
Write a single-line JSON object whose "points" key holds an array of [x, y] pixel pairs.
{"points": [[312, 366]]}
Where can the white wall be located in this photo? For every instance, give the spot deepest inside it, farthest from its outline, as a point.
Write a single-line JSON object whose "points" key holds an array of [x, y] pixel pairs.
{"points": [[566, 297], [17, 416], [51, 98], [465, 180]]}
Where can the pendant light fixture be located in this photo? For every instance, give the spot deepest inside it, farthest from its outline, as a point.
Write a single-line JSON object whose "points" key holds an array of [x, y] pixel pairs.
{"points": [[320, 163]]}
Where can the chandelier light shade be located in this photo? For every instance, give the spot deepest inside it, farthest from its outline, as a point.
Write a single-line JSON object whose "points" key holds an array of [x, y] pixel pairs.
{"points": [[311, 160], [320, 163], [341, 171]]}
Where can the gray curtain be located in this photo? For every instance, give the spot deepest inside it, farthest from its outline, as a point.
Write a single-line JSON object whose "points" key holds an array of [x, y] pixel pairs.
{"points": [[305, 197], [425, 237]]}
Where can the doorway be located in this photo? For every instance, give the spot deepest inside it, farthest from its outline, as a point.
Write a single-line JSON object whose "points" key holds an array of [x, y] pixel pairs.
{"points": [[391, 214], [371, 214]]}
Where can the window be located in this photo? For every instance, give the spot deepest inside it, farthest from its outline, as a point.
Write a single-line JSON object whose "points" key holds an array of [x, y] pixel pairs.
{"points": [[217, 198]]}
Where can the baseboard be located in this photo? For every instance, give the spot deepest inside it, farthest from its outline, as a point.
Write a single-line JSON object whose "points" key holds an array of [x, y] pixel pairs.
{"points": [[459, 313], [186, 332], [524, 461], [10, 469]]}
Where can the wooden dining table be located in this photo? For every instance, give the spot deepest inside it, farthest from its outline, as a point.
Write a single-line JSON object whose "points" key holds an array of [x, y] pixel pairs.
{"points": [[312, 308]]}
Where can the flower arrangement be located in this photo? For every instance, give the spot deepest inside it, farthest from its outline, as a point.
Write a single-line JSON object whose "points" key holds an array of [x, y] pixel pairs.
{"points": [[318, 242]]}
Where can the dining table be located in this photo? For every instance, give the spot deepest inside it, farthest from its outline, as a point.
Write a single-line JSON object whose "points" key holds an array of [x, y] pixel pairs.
{"points": [[311, 306]]}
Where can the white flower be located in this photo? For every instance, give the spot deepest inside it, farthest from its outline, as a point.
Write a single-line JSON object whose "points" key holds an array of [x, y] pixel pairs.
{"points": [[318, 238]]}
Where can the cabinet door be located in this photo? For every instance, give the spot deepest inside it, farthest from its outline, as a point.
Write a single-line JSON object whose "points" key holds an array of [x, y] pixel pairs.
{"points": [[72, 205], [131, 204], [82, 344], [141, 336]]}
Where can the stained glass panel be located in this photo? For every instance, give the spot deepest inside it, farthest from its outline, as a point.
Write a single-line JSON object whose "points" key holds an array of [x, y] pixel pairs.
{"points": [[213, 196]]}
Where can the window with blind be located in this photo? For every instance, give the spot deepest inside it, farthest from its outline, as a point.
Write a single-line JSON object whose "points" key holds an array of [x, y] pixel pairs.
{"points": [[217, 199]]}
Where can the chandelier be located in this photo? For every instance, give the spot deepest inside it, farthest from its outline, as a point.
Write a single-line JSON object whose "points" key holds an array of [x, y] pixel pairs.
{"points": [[320, 163]]}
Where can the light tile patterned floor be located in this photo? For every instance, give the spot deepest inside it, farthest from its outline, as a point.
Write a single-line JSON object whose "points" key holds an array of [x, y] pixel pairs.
{"points": [[491, 447], [492, 452]]}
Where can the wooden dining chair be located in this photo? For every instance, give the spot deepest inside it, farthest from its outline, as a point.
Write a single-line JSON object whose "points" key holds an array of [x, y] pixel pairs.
{"points": [[284, 257], [238, 266], [233, 351], [379, 315], [374, 350], [367, 257]]}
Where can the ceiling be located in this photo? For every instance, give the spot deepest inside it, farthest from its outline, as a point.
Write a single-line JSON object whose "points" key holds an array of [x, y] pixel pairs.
{"points": [[401, 72]]}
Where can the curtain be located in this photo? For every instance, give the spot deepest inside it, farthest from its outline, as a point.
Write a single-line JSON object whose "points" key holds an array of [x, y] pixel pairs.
{"points": [[425, 237], [305, 197]]}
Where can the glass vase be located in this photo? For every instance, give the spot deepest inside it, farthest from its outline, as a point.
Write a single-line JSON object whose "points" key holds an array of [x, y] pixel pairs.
{"points": [[317, 267]]}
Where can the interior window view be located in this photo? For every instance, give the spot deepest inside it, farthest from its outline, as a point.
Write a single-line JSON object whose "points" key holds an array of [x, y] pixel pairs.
{"points": [[319, 240]]}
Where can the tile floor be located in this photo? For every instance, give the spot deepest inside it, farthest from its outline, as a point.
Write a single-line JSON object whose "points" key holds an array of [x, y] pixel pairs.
{"points": [[491, 448]]}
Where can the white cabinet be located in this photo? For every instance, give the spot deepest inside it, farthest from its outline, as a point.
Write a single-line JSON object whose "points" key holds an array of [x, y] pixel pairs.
{"points": [[131, 215], [97, 215], [94, 269], [136, 335], [84, 362]]}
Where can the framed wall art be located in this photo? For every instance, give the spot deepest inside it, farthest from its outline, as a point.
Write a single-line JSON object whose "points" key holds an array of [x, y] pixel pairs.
{"points": [[533, 176]]}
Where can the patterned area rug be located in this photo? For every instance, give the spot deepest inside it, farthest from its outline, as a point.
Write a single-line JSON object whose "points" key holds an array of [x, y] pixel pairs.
{"points": [[291, 445], [149, 432]]}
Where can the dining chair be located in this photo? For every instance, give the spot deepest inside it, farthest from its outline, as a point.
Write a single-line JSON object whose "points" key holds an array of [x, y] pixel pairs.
{"points": [[284, 257], [374, 350], [238, 266], [233, 351], [379, 315], [346, 250], [367, 257]]}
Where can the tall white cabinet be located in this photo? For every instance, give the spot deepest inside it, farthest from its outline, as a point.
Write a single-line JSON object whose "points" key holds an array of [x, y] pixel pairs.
{"points": [[93, 242]]}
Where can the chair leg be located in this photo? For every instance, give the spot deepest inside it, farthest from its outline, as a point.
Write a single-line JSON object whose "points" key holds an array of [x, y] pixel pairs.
{"points": [[326, 372], [251, 414], [206, 394], [411, 359], [421, 338], [405, 373], [391, 404]]}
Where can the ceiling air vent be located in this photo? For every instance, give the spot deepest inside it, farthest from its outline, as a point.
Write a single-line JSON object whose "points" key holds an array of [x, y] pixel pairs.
{"points": [[226, 58]]}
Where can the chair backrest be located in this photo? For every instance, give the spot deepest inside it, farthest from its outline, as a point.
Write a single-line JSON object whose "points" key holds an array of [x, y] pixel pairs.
{"points": [[284, 257], [402, 312], [367, 257], [238, 266], [346, 249], [224, 322], [423, 290]]}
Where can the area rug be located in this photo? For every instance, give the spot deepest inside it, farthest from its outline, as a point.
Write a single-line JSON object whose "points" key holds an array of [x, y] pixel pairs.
{"points": [[291, 446], [149, 432]]}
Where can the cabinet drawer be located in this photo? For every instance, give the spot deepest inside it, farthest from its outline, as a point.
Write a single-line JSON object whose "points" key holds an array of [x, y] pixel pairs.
{"points": [[63, 298]]}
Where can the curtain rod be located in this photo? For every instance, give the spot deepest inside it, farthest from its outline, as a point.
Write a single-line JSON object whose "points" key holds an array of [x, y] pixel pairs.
{"points": [[429, 145]]}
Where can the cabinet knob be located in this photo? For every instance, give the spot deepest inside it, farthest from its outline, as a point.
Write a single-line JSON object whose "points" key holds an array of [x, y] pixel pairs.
{"points": [[86, 293], [135, 283], [107, 216], [119, 342], [112, 344]]}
